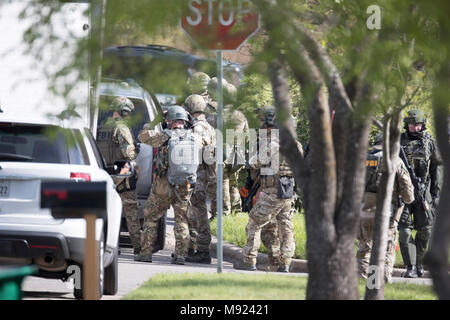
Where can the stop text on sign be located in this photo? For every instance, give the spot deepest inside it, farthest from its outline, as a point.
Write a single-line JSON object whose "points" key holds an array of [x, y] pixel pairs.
{"points": [[219, 24], [227, 11]]}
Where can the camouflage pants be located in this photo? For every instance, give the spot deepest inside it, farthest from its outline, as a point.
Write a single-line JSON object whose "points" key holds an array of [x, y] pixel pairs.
{"points": [[267, 209], [365, 239], [154, 209], [211, 191], [231, 196], [200, 233], [413, 249], [271, 240], [130, 209]]}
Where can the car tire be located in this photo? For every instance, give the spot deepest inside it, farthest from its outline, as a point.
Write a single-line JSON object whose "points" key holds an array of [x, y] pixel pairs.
{"points": [[111, 284], [79, 293]]}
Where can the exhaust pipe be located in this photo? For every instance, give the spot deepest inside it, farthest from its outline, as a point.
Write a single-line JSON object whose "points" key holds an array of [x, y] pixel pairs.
{"points": [[49, 259]]}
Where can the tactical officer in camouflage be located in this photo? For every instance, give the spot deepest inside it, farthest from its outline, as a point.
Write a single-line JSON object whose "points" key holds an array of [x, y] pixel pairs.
{"points": [[198, 84], [424, 160], [234, 120], [197, 212], [211, 117], [115, 141], [172, 188], [274, 202], [403, 192]]}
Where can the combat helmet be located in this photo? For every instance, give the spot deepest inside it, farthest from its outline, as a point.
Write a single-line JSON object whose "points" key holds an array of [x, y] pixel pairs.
{"points": [[199, 82], [213, 87], [415, 116], [229, 93], [122, 105], [177, 113], [195, 103]]}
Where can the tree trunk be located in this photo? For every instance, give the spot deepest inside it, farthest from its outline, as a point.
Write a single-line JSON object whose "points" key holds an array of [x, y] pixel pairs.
{"points": [[391, 146], [437, 257]]}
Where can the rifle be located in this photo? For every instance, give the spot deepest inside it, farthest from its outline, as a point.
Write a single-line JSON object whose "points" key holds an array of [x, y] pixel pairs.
{"points": [[416, 183]]}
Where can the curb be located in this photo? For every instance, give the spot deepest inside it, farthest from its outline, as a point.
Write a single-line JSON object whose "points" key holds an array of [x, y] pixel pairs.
{"points": [[233, 253]]}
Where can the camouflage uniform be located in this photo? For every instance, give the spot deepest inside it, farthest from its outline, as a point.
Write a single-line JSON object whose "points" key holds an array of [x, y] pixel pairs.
{"points": [[402, 187], [267, 208], [161, 198], [233, 119], [198, 214], [424, 159], [211, 98], [122, 148]]}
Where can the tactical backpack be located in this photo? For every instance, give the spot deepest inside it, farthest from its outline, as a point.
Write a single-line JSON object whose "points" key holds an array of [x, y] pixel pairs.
{"points": [[183, 157], [373, 172]]}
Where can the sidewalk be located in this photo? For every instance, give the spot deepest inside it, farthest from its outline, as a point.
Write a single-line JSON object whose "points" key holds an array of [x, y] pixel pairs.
{"points": [[232, 253]]}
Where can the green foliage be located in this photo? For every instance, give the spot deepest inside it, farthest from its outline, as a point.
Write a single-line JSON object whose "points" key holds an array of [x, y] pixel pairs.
{"points": [[234, 232]]}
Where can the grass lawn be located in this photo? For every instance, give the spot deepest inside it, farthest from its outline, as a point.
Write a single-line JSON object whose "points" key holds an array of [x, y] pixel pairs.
{"points": [[234, 232], [235, 286]]}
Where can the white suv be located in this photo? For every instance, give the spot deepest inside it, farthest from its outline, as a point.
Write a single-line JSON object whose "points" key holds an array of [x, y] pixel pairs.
{"points": [[33, 150]]}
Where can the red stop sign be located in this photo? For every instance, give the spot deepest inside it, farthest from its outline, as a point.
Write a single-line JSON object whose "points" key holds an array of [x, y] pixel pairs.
{"points": [[220, 24]]}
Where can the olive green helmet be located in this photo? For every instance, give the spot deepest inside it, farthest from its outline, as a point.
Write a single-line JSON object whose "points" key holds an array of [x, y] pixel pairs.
{"points": [[195, 103], [213, 87], [415, 116], [199, 82], [122, 105], [177, 113], [229, 93]]}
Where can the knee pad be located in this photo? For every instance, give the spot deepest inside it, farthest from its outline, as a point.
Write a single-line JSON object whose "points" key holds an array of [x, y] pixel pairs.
{"points": [[423, 234], [404, 235]]}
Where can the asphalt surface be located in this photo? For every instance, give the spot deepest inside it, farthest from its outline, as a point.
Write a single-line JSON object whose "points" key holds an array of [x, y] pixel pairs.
{"points": [[133, 274]]}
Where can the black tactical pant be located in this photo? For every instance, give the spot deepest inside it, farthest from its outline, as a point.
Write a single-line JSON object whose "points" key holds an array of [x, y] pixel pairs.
{"points": [[414, 217]]}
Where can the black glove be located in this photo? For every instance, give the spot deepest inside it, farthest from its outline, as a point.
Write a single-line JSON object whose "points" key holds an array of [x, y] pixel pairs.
{"points": [[137, 147]]}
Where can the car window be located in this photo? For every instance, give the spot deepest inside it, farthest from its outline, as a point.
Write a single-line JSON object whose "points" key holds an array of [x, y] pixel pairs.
{"points": [[100, 161], [79, 153], [37, 143]]}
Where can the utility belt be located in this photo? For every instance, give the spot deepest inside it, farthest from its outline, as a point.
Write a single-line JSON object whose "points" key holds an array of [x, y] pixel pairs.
{"points": [[284, 184]]}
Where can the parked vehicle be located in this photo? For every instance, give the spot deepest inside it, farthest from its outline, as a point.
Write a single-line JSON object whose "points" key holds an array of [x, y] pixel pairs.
{"points": [[147, 108], [34, 149], [165, 70]]}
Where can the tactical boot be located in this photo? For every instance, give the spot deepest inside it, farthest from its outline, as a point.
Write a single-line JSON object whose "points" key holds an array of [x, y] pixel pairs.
{"points": [[143, 257], [137, 250], [199, 257], [420, 271], [411, 272], [283, 268], [178, 260], [241, 265]]}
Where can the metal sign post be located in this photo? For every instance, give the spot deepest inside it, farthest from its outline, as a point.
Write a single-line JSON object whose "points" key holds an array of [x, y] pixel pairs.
{"points": [[219, 161], [221, 25]]}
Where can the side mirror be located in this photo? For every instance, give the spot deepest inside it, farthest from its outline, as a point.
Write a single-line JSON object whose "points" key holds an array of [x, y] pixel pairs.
{"points": [[121, 169]]}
